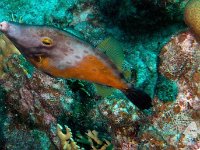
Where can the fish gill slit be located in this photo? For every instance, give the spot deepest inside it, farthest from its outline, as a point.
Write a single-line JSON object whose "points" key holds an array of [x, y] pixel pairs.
{"points": [[85, 51], [77, 57]]}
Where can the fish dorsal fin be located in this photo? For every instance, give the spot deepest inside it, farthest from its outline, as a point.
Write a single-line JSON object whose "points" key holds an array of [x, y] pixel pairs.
{"points": [[114, 50]]}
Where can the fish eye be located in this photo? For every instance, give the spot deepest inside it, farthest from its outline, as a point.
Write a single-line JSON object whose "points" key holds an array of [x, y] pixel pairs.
{"points": [[46, 41]]}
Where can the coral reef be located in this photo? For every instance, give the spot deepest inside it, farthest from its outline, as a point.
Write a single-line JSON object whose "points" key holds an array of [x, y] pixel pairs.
{"points": [[183, 67], [122, 120], [143, 70], [163, 59], [60, 11], [179, 61], [24, 139], [34, 105]]}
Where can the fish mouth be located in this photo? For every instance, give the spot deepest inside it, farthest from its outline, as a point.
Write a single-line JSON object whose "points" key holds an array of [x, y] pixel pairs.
{"points": [[37, 57], [4, 26], [35, 54]]}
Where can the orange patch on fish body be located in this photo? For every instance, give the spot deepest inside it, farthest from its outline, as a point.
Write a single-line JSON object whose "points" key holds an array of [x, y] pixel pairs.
{"points": [[90, 68]]}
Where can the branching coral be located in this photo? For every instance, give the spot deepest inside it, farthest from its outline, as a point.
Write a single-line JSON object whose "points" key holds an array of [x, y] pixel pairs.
{"points": [[67, 142], [92, 139], [94, 135], [192, 15]]}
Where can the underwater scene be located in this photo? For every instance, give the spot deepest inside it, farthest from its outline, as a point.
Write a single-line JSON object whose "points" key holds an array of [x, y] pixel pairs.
{"points": [[100, 75]]}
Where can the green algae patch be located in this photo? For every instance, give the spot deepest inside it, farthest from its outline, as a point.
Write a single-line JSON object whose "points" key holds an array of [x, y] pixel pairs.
{"points": [[166, 90]]}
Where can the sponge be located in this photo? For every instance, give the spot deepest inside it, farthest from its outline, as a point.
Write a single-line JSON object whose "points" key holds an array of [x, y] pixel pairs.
{"points": [[192, 16]]}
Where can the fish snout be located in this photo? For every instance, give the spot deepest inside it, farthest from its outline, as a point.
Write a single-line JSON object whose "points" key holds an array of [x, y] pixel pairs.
{"points": [[4, 26]]}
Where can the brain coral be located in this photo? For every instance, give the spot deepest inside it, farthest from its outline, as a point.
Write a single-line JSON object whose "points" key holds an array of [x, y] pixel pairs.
{"points": [[192, 15]]}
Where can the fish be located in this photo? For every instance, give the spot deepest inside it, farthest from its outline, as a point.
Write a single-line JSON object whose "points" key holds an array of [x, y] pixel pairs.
{"points": [[61, 54]]}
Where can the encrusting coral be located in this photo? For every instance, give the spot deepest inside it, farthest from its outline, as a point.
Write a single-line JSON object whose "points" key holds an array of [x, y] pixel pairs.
{"points": [[123, 121], [192, 15], [180, 61], [183, 67]]}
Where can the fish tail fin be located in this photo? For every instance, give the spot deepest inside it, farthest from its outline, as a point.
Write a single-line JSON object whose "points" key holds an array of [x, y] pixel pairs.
{"points": [[138, 97]]}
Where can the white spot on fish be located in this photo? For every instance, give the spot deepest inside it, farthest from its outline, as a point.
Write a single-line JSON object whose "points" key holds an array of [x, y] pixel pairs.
{"points": [[77, 53]]}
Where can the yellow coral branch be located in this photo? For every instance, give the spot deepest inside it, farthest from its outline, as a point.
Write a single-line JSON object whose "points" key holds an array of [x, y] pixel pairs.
{"points": [[94, 136], [66, 140]]}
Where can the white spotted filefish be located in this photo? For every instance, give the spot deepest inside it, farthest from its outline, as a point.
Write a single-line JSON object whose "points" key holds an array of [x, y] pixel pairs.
{"points": [[60, 54]]}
